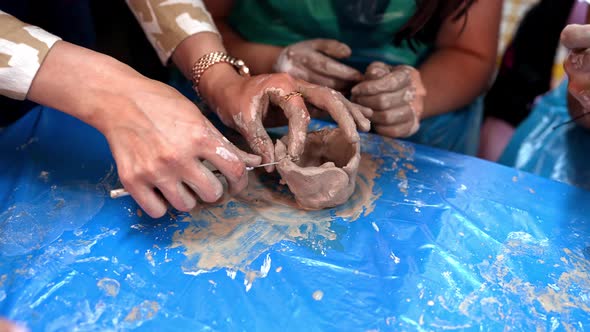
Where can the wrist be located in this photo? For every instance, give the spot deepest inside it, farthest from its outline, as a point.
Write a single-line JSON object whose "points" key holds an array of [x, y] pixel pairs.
{"points": [[215, 80], [82, 83], [193, 48]]}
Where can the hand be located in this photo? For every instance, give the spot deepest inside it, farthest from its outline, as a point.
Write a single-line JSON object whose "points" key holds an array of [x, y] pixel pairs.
{"points": [[313, 61], [159, 143], [396, 96], [158, 138], [242, 103], [577, 66]]}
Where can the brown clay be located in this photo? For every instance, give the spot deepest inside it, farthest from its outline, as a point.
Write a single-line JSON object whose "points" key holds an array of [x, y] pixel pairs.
{"points": [[325, 174]]}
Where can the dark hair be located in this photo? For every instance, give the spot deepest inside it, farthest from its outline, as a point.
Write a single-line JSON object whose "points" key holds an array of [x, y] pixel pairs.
{"points": [[429, 16]]}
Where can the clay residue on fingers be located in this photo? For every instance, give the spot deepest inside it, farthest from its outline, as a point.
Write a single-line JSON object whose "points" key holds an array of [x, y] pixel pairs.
{"points": [[298, 117], [326, 173], [335, 104]]}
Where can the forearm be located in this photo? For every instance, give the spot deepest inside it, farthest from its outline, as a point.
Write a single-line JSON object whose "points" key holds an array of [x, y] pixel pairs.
{"points": [[576, 110], [260, 58], [81, 82], [454, 78]]}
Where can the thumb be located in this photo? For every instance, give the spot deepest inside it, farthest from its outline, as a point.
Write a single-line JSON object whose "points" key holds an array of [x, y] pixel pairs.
{"points": [[576, 36], [332, 48], [377, 70]]}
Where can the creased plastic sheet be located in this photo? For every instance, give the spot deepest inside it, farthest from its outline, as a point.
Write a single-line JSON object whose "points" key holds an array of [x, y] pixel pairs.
{"points": [[544, 146], [430, 241]]}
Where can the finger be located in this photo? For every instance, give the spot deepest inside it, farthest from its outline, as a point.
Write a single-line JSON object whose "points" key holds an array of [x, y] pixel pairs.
{"points": [[202, 181], [367, 112], [358, 113], [577, 61], [334, 103], [177, 195], [298, 117], [393, 81], [255, 134], [377, 70], [384, 101], [395, 116], [259, 142], [580, 93], [147, 198], [229, 164], [402, 130], [576, 36], [248, 158], [332, 48], [330, 82], [327, 66]]}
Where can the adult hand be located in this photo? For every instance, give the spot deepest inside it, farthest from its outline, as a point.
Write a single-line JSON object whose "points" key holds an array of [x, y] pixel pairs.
{"points": [[243, 103], [159, 142], [158, 138], [396, 95], [577, 66], [314, 61]]}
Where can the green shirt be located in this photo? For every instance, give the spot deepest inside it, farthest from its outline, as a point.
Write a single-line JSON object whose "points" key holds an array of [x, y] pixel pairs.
{"points": [[368, 27]]}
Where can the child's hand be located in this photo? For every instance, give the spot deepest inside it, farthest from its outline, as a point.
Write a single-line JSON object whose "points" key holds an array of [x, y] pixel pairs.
{"points": [[396, 95], [313, 61], [577, 66]]}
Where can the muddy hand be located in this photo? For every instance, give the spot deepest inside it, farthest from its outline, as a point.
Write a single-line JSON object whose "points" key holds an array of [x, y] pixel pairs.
{"points": [[244, 103], [159, 142], [577, 66], [396, 96], [349, 116], [315, 61]]}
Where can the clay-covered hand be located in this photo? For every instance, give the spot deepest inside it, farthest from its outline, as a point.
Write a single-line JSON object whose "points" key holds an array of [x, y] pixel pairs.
{"points": [[396, 96], [159, 141], [577, 66], [244, 103], [158, 137], [316, 61]]}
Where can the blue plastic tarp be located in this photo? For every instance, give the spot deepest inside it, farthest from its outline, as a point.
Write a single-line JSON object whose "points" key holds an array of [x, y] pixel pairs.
{"points": [[542, 145], [430, 241]]}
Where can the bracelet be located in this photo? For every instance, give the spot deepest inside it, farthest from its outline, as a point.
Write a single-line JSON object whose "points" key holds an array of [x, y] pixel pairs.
{"points": [[210, 59]]}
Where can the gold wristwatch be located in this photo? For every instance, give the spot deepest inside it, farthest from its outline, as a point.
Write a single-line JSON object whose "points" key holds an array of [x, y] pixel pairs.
{"points": [[210, 59]]}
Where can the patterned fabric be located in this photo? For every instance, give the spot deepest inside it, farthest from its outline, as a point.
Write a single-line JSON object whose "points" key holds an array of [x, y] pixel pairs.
{"points": [[22, 50], [167, 23]]}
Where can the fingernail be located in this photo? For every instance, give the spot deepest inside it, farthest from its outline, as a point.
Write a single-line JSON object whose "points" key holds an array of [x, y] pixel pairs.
{"points": [[577, 60], [378, 71]]}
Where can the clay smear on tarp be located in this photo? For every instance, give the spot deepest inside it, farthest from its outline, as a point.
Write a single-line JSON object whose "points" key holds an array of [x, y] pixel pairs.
{"points": [[234, 232]]}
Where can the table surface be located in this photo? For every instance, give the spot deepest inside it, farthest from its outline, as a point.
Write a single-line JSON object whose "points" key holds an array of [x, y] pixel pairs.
{"points": [[429, 241]]}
